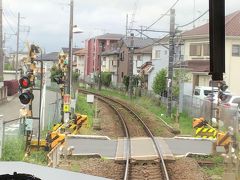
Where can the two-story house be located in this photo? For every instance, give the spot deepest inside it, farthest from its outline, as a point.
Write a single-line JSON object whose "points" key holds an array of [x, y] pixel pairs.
{"points": [[142, 53], [81, 58], [196, 53]]}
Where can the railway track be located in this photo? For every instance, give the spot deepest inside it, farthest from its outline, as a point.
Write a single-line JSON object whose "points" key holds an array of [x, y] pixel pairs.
{"points": [[128, 118]]}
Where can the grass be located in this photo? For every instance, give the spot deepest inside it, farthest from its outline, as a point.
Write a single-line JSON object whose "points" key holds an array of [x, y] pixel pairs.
{"points": [[217, 169], [37, 157], [83, 107], [14, 148], [185, 122]]}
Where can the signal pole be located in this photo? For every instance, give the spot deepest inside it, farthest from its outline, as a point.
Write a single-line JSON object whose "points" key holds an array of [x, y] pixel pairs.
{"points": [[69, 79], [18, 27], [171, 58]]}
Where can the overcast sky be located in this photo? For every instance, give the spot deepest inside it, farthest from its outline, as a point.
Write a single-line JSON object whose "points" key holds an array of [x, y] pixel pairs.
{"points": [[49, 19]]}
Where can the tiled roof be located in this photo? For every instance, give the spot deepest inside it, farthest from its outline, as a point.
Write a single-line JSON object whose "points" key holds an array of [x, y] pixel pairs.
{"points": [[110, 52], [232, 27], [110, 36], [194, 65], [53, 56], [138, 42], [65, 50], [81, 51]]}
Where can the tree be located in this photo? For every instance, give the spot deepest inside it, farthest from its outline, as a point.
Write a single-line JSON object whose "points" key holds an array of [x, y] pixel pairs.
{"points": [[179, 76], [126, 82], [75, 76], [55, 72], [159, 83]]}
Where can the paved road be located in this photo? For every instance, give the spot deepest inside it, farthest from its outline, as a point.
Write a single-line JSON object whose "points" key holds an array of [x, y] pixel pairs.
{"points": [[10, 110], [108, 148]]}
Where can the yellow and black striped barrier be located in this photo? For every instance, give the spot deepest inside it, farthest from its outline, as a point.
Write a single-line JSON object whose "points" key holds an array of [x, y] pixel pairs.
{"points": [[53, 138], [206, 132]]}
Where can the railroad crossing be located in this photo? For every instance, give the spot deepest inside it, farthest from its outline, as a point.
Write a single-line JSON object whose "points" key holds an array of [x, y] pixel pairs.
{"points": [[141, 147]]}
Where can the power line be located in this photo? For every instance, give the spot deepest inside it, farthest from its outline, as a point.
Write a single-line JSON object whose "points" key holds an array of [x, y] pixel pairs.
{"points": [[154, 42], [9, 24], [194, 19], [162, 15]]}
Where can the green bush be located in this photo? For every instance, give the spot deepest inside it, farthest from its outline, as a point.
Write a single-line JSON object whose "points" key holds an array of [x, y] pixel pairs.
{"points": [[106, 78], [75, 76], [159, 83]]}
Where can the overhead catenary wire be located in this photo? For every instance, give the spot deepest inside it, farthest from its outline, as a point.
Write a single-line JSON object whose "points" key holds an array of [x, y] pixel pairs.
{"points": [[193, 20], [162, 15]]}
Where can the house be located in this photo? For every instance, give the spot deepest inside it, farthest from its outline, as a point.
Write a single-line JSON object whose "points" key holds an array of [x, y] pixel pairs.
{"points": [[80, 66], [74, 57], [160, 59], [95, 46], [49, 59], [196, 53], [10, 59], [109, 63], [142, 53]]}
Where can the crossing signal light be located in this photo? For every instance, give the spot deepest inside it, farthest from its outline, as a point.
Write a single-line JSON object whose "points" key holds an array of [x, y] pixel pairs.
{"points": [[24, 82], [26, 97]]}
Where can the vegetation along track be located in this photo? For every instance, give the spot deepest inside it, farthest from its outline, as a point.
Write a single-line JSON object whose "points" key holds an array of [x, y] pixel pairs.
{"points": [[135, 170]]}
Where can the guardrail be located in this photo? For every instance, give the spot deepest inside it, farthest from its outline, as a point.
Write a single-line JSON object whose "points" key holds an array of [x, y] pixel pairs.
{"points": [[3, 94]]}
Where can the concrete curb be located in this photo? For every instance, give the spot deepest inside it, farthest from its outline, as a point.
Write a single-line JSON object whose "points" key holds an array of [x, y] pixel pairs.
{"points": [[193, 138], [89, 137]]}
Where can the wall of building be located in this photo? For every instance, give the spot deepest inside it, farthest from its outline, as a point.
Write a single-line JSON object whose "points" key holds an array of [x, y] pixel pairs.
{"points": [[157, 63], [186, 47], [138, 63], [232, 67], [123, 64]]}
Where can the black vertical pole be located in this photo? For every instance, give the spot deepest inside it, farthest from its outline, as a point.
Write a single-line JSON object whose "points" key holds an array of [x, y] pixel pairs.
{"points": [[217, 38]]}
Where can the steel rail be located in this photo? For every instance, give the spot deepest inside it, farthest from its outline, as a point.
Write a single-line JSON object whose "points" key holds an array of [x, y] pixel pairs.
{"points": [[126, 133], [148, 131]]}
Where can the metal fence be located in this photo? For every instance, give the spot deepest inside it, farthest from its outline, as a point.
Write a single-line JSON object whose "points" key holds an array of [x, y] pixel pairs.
{"points": [[3, 95], [12, 128], [195, 107]]}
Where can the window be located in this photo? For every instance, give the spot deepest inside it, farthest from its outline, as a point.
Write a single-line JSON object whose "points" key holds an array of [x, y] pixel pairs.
{"points": [[197, 92], [122, 74], [114, 63], [138, 57], [206, 51], [157, 54], [195, 49], [122, 56], [235, 50], [199, 49]]}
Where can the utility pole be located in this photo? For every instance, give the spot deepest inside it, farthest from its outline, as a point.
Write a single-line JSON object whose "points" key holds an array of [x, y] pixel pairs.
{"points": [[100, 68], [69, 79], [171, 58], [1, 46], [126, 25], [18, 28], [130, 91]]}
